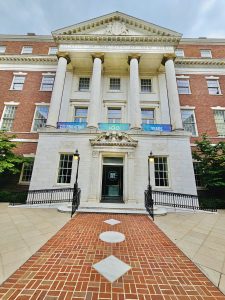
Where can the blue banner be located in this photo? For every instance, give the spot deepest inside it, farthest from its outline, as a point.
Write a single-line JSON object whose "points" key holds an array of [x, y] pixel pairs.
{"points": [[157, 127], [72, 125], [114, 126]]}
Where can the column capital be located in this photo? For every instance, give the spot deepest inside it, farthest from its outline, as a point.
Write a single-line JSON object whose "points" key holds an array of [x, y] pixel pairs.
{"points": [[64, 55], [137, 56], [168, 56], [98, 55]]}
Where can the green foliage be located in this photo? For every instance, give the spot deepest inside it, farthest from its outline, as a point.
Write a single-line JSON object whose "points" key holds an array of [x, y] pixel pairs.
{"points": [[9, 162], [211, 160]]}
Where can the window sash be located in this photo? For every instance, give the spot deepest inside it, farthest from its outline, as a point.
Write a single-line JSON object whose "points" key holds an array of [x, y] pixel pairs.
{"points": [[27, 50], [206, 53], [146, 85], [179, 52], [114, 84], [219, 116], [18, 82], [8, 117], [183, 86], [65, 168], [189, 121], [80, 114], [161, 171], [47, 82], [213, 87], [198, 179], [40, 118], [147, 116], [84, 84], [52, 50], [114, 115], [26, 172], [2, 49]]}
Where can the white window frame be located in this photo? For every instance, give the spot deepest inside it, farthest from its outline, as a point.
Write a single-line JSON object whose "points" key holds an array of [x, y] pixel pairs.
{"points": [[22, 182], [218, 86], [38, 104], [168, 172], [179, 52], [195, 123], [84, 90], [52, 52], [4, 110], [47, 75], [13, 82], [25, 50], [114, 90], [77, 107], [209, 51], [114, 108], [58, 168], [151, 86], [154, 114], [188, 86], [223, 110], [2, 49]]}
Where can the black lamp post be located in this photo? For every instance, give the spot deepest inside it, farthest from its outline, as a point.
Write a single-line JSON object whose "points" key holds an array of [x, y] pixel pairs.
{"points": [[76, 156], [150, 159]]}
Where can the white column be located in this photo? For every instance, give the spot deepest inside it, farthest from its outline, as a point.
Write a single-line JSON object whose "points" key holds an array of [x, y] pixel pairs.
{"points": [[173, 96], [134, 101], [164, 104], [95, 97], [57, 92]]}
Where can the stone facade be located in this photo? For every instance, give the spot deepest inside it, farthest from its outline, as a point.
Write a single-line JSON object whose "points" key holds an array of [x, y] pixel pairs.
{"points": [[113, 49]]}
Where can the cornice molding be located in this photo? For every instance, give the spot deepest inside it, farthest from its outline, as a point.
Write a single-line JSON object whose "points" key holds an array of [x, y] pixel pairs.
{"points": [[118, 38], [120, 139], [40, 59], [199, 62]]}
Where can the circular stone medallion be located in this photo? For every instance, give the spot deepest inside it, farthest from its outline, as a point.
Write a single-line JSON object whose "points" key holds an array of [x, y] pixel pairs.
{"points": [[112, 237]]}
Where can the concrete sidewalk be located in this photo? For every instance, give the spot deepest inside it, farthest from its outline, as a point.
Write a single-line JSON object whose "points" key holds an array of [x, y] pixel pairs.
{"points": [[137, 261]]}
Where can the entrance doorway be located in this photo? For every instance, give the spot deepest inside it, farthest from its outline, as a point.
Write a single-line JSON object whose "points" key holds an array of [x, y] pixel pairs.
{"points": [[112, 180]]}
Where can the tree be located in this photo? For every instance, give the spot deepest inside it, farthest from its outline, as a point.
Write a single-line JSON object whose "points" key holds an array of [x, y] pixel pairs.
{"points": [[211, 159], [9, 161]]}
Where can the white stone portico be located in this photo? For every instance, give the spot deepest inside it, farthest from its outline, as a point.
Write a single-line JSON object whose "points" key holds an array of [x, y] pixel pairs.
{"points": [[115, 55]]}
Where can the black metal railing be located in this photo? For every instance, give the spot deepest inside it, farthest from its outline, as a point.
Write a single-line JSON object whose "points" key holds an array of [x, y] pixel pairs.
{"points": [[149, 203], [178, 200], [47, 196], [76, 201]]}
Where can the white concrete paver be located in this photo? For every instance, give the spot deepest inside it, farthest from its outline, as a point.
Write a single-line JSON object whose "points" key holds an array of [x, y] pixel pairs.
{"points": [[201, 236], [22, 232]]}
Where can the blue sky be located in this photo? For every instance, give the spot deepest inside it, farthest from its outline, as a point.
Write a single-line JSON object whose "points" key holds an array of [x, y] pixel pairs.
{"points": [[192, 18]]}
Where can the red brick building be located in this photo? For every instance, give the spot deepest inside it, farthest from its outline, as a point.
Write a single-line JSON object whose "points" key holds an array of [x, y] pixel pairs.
{"points": [[27, 69]]}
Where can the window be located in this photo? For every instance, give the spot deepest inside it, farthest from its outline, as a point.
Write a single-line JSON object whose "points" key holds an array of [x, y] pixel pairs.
{"points": [[52, 50], [65, 168], [17, 83], [161, 171], [146, 85], [80, 114], [47, 83], [179, 52], [114, 115], [114, 84], [2, 49], [147, 116], [183, 86], [198, 179], [27, 50], [213, 87], [40, 117], [219, 116], [8, 117], [188, 119], [26, 172], [206, 53], [84, 84]]}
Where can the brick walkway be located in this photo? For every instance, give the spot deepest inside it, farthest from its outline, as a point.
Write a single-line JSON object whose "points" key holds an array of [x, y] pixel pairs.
{"points": [[62, 268]]}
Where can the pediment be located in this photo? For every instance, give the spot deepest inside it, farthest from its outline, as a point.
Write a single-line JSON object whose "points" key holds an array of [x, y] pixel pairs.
{"points": [[116, 24], [120, 139]]}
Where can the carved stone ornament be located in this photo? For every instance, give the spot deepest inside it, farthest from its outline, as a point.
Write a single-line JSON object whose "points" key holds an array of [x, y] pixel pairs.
{"points": [[116, 28], [114, 138]]}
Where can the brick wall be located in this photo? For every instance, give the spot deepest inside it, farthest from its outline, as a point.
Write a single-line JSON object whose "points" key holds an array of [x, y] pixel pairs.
{"points": [[39, 48], [218, 51]]}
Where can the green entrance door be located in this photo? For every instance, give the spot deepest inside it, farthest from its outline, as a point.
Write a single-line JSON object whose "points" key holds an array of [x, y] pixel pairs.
{"points": [[112, 184]]}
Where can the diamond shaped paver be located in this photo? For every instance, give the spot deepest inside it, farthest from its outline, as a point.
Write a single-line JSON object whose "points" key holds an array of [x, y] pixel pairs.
{"points": [[112, 221], [111, 268]]}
